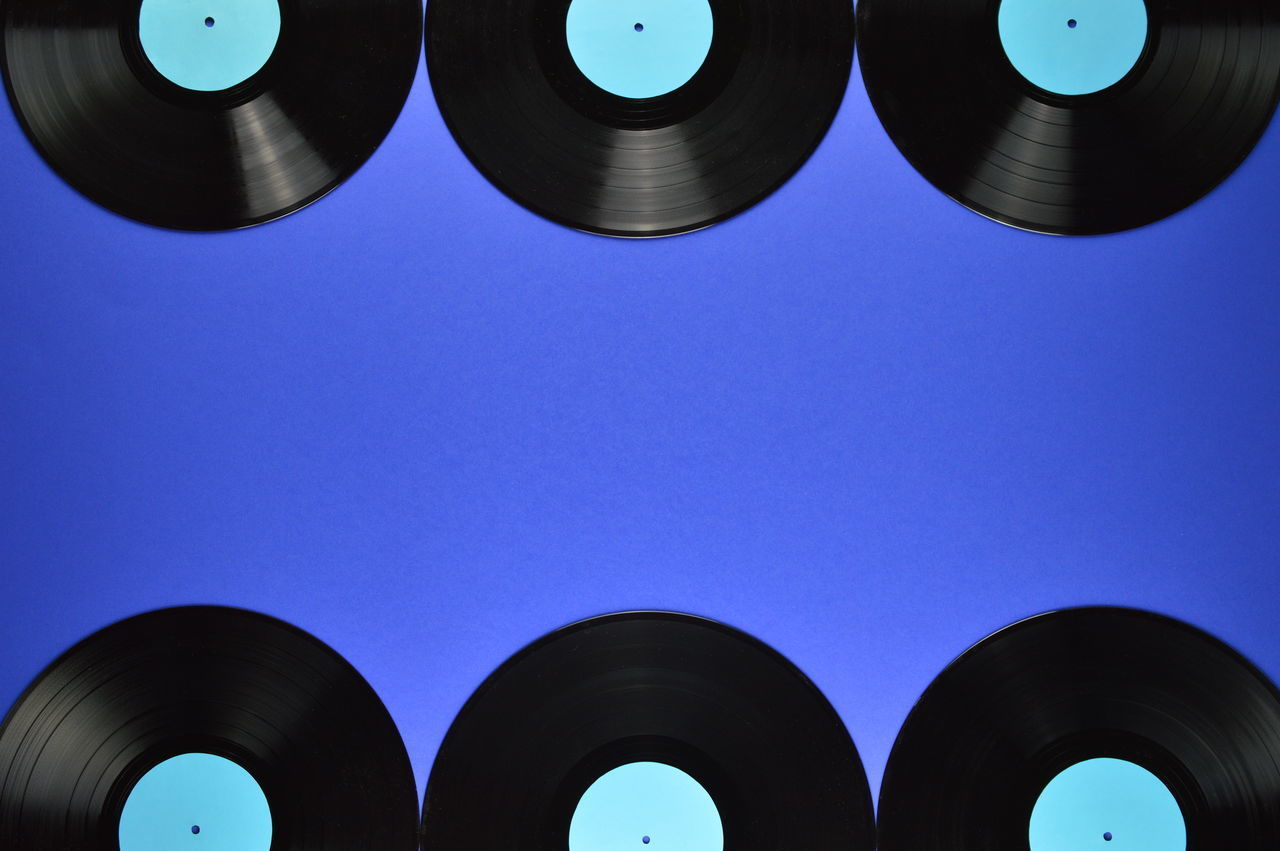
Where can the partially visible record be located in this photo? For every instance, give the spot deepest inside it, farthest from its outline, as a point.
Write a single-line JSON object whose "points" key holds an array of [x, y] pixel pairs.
{"points": [[1072, 116], [639, 117], [648, 730], [203, 727], [1094, 728], [208, 115]]}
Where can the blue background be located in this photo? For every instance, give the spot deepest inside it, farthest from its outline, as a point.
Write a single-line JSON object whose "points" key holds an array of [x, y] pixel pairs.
{"points": [[858, 421]]}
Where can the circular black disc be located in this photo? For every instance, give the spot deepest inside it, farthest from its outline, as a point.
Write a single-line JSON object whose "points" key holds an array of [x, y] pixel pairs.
{"points": [[649, 686], [1184, 118], [1033, 699], [535, 126], [239, 685], [128, 138]]}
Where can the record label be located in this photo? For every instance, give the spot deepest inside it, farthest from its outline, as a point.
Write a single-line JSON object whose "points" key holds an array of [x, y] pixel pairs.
{"points": [[639, 48], [646, 803], [1109, 805], [196, 801], [1073, 47], [209, 45]]}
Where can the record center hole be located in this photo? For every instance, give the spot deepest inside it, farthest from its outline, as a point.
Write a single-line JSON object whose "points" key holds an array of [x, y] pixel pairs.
{"points": [[639, 28], [195, 828], [1072, 23], [208, 22], [1106, 836]]}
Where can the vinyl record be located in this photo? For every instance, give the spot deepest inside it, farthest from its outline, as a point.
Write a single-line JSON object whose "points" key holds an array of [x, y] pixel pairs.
{"points": [[203, 728], [638, 117], [1072, 116], [1093, 728], [652, 731], [208, 114]]}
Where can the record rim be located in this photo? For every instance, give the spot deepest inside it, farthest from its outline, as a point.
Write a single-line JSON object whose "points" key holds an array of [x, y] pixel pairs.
{"points": [[641, 615], [859, 768], [95, 632], [1103, 609], [37, 145], [1249, 145], [826, 122]]}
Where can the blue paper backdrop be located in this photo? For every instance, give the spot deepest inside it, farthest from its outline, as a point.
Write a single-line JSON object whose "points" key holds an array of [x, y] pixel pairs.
{"points": [[858, 421]]}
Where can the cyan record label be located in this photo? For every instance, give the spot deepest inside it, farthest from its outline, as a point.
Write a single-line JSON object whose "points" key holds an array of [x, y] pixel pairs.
{"points": [[639, 48], [196, 802], [208, 45], [646, 806], [1107, 805], [1073, 47]]}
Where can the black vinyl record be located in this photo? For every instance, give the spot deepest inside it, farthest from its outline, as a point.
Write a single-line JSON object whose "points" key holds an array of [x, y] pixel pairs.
{"points": [[100, 113], [210, 681], [1018, 709], [647, 687], [530, 120], [1190, 109]]}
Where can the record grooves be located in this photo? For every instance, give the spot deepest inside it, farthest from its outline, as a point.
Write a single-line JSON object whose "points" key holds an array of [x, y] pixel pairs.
{"points": [[213, 682], [130, 138], [529, 119], [1194, 104]]}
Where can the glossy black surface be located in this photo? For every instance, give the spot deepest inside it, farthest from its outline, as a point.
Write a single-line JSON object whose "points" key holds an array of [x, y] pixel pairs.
{"points": [[1029, 701], [214, 680], [540, 131], [1182, 120], [647, 686], [123, 135]]}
